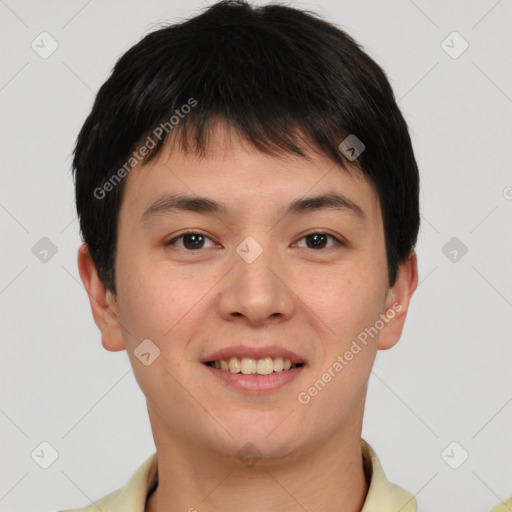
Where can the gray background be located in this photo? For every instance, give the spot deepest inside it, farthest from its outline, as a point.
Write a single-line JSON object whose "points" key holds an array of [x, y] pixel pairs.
{"points": [[447, 380]]}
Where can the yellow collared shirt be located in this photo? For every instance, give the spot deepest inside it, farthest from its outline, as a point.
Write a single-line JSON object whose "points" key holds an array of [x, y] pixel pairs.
{"points": [[382, 496], [504, 506]]}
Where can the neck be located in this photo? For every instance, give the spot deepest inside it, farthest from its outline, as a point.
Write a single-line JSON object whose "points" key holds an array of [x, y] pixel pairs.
{"points": [[323, 478]]}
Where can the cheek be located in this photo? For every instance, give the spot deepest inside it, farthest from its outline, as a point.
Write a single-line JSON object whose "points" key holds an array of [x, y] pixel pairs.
{"points": [[164, 304], [348, 301], [150, 297], [160, 384]]}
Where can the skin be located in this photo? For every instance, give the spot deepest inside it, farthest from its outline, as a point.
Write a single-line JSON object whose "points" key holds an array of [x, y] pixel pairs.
{"points": [[191, 302]]}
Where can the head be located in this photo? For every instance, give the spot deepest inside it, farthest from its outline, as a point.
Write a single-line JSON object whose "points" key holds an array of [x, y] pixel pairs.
{"points": [[250, 108]]}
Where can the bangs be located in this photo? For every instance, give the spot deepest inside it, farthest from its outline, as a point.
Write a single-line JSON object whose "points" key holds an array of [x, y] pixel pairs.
{"points": [[195, 133]]}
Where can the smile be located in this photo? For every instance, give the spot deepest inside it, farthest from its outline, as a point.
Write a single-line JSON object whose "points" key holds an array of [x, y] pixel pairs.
{"points": [[250, 366]]}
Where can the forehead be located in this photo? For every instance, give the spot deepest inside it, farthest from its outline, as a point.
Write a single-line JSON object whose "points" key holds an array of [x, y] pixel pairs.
{"points": [[231, 176]]}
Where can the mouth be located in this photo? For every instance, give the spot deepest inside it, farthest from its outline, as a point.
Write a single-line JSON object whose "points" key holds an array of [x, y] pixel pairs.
{"points": [[255, 370], [251, 366]]}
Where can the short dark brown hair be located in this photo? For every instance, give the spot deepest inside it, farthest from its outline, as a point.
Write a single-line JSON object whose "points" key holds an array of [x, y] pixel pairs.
{"points": [[270, 73]]}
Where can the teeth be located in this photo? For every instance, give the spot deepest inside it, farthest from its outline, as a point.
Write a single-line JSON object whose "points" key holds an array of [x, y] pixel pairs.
{"points": [[234, 365], [249, 366], [265, 366], [278, 364]]}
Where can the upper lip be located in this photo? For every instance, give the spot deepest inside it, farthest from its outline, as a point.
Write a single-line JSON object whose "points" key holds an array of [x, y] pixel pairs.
{"points": [[254, 353]]}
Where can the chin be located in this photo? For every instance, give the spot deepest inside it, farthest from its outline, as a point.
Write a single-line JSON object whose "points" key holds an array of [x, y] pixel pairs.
{"points": [[260, 450], [261, 439]]}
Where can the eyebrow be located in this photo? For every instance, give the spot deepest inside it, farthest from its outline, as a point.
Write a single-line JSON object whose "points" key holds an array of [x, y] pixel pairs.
{"points": [[174, 203]]}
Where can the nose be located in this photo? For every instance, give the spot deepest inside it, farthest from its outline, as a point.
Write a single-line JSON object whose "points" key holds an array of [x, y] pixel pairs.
{"points": [[257, 290]]}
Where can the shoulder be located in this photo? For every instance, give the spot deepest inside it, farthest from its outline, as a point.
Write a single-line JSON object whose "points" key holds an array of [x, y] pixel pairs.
{"points": [[104, 504], [131, 497], [504, 506], [383, 495]]}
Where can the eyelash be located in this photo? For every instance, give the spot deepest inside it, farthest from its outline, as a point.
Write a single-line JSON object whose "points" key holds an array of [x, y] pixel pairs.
{"points": [[336, 239]]}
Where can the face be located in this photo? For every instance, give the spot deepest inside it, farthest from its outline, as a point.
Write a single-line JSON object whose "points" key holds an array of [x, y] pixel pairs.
{"points": [[251, 280]]}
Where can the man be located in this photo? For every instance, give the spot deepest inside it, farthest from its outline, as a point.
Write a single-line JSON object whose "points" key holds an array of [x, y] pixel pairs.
{"points": [[249, 203]]}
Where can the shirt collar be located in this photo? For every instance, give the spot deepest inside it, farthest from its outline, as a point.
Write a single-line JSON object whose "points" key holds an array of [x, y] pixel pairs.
{"points": [[382, 496]]}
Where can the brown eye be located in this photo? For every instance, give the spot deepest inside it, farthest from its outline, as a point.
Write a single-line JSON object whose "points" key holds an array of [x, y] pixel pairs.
{"points": [[191, 241], [319, 240]]}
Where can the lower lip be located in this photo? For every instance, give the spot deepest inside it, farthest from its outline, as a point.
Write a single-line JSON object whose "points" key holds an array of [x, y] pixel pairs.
{"points": [[256, 384]]}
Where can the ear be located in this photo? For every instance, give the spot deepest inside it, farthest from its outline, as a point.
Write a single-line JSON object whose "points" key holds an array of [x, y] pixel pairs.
{"points": [[397, 303], [103, 302]]}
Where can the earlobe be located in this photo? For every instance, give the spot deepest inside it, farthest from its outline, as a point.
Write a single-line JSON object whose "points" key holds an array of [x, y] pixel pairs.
{"points": [[397, 304], [103, 302]]}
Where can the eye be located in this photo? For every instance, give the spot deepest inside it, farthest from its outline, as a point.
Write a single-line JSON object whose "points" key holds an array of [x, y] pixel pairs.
{"points": [[318, 240], [191, 241]]}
